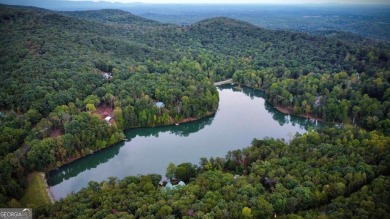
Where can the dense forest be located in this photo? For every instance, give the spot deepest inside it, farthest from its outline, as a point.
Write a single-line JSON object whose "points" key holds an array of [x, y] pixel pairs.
{"points": [[337, 173], [63, 73]]}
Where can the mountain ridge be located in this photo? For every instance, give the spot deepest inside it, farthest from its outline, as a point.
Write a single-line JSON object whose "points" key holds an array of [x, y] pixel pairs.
{"points": [[110, 15], [57, 72]]}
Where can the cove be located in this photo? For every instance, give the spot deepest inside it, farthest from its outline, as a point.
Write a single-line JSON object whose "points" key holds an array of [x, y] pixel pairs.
{"points": [[241, 117]]}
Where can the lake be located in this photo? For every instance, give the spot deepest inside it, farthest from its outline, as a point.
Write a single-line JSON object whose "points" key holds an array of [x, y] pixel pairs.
{"points": [[241, 116]]}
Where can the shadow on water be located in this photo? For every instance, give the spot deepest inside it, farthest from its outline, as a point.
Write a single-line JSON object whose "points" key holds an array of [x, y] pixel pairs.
{"points": [[92, 161], [280, 117], [252, 93], [283, 119], [182, 130], [74, 168]]}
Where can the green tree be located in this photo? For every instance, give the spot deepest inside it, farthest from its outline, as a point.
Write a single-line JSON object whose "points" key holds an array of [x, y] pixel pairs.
{"points": [[247, 213], [90, 108], [91, 99], [263, 208], [186, 171], [171, 171], [165, 211]]}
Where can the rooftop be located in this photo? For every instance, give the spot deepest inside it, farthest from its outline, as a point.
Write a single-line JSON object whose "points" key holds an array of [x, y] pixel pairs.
{"points": [[160, 104]]}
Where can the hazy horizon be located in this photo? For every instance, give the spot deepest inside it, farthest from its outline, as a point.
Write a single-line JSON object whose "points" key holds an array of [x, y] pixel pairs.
{"points": [[205, 2], [286, 2]]}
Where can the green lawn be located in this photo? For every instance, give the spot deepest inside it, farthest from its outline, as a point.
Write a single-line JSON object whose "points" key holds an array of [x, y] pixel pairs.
{"points": [[36, 194]]}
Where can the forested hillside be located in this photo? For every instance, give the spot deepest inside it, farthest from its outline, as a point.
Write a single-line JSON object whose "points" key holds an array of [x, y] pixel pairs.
{"points": [[58, 73], [63, 73], [334, 173]]}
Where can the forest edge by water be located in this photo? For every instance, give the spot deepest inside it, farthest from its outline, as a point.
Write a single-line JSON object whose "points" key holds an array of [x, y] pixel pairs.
{"points": [[284, 110], [72, 159], [53, 79], [186, 120]]}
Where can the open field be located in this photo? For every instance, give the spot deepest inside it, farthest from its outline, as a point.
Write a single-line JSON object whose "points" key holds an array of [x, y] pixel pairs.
{"points": [[36, 192]]}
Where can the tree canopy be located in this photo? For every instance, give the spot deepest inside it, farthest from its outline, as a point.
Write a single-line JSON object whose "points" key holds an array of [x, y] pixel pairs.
{"points": [[63, 73]]}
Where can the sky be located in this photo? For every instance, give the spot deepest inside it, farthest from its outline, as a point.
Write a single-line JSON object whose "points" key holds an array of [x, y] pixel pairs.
{"points": [[251, 1]]}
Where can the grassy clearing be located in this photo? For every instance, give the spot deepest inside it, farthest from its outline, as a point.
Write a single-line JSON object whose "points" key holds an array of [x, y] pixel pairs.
{"points": [[36, 192]]}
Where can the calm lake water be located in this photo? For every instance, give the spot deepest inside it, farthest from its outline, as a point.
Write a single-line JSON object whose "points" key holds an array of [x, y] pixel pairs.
{"points": [[242, 116]]}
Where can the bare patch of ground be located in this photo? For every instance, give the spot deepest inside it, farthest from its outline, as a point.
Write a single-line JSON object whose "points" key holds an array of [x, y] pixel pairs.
{"points": [[104, 111], [55, 133]]}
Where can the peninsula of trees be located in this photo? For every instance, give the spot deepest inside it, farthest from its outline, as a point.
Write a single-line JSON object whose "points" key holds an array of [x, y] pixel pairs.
{"points": [[63, 73]]}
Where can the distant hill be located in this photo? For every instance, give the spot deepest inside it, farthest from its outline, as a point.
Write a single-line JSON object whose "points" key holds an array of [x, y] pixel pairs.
{"points": [[80, 39], [111, 16], [66, 5], [58, 69], [369, 21]]}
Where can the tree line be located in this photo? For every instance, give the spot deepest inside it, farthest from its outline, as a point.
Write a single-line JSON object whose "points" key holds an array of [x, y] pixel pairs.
{"points": [[52, 84], [329, 173]]}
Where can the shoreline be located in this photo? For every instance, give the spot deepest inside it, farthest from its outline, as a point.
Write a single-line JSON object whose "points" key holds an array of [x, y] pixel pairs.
{"points": [[72, 159], [193, 119], [51, 195], [286, 110], [185, 120], [37, 193], [227, 81]]}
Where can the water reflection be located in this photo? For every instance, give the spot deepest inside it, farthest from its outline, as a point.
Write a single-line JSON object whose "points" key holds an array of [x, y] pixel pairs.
{"points": [[92, 161], [242, 116], [89, 162], [281, 118], [183, 130]]}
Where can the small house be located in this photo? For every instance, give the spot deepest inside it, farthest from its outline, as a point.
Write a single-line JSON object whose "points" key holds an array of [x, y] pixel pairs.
{"points": [[175, 185], [160, 104], [108, 119], [107, 76]]}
